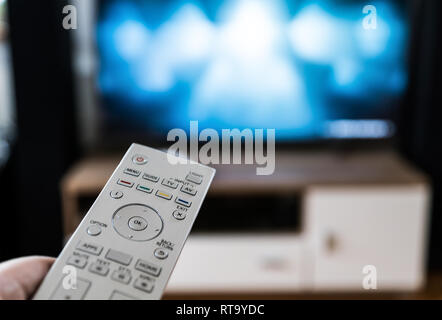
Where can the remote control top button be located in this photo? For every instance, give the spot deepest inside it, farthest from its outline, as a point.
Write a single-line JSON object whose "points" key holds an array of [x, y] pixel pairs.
{"points": [[151, 177], [137, 223], [118, 256], [116, 194], [117, 295], [148, 268], [77, 293], [100, 267], [170, 183], [122, 276], [94, 230], [179, 215], [183, 202], [144, 188], [194, 177], [144, 283], [89, 247], [160, 253], [77, 261], [189, 189], [132, 172], [139, 159], [164, 194], [125, 183]]}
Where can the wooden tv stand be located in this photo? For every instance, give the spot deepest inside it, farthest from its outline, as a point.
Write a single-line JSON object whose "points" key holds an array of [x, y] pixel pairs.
{"points": [[294, 173]]}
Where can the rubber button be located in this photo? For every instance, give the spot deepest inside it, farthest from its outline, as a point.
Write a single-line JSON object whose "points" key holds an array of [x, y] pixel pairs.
{"points": [[94, 230], [116, 194], [139, 159], [161, 253], [137, 223]]}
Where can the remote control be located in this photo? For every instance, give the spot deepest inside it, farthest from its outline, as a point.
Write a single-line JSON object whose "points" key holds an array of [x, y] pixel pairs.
{"points": [[128, 243]]}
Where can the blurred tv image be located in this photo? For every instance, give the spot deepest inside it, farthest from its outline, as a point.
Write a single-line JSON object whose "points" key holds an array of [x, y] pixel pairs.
{"points": [[309, 69]]}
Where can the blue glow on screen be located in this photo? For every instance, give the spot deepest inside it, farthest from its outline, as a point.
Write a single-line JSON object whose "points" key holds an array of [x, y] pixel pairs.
{"points": [[289, 65]]}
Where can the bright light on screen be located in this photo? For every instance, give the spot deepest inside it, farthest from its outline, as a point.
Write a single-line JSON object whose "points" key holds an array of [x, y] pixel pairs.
{"points": [[306, 68]]}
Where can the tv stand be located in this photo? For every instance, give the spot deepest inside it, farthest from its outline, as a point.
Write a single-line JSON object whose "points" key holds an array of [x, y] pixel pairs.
{"points": [[352, 209]]}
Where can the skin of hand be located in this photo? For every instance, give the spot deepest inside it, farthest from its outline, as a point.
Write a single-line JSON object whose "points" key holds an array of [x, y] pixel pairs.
{"points": [[20, 278]]}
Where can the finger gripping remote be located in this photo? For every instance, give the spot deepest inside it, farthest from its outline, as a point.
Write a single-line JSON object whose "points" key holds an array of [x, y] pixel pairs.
{"points": [[129, 242]]}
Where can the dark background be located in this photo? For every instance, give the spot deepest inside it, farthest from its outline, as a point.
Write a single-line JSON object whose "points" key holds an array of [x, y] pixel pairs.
{"points": [[47, 144]]}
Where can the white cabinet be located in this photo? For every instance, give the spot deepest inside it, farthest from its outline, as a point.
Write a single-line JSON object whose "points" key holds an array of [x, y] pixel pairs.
{"points": [[350, 227]]}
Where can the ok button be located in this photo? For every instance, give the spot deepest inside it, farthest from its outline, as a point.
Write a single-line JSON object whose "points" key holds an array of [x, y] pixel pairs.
{"points": [[137, 223]]}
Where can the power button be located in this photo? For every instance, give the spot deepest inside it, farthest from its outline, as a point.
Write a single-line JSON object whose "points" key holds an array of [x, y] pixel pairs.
{"points": [[139, 159]]}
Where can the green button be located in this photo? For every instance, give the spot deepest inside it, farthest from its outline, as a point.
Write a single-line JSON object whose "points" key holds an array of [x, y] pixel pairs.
{"points": [[144, 189]]}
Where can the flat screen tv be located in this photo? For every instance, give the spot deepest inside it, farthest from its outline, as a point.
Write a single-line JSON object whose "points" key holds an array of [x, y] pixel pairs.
{"points": [[311, 70]]}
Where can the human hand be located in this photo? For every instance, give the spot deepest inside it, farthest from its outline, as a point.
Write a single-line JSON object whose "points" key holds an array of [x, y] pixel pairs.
{"points": [[20, 278]]}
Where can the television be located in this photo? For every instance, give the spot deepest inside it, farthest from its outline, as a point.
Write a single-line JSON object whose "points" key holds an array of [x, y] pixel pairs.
{"points": [[311, 70]]}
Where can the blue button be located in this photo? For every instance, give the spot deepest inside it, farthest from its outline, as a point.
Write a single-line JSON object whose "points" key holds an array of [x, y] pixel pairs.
{"points": [[183, 202]]}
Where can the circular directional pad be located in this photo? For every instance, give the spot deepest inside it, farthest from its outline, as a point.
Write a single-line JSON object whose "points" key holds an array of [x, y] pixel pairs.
{"points": [[137, 222]]}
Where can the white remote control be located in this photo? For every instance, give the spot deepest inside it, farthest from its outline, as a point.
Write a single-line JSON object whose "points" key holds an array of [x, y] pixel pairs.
{"points": [[128, 243]]}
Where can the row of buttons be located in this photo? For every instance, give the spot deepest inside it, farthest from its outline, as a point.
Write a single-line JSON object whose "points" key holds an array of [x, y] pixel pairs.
{"points": [[122, 275], [189, 189], [159, 193], [115, 255], [192, 176]]}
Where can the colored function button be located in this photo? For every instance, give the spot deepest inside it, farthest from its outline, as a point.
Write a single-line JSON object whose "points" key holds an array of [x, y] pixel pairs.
{"points": [[160, 253], [125, 183], [132, 172], [139, 159], [90, 248], [163, 194], [189, 189], [194, 177], [137, 223], [144, 188], [151, 177], [148, 268], [183, 202], [179, 215], [118, 256], [169, 183]]}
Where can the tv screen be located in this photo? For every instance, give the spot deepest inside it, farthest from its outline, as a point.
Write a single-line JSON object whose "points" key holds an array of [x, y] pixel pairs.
{"points": [[308, 69]]}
